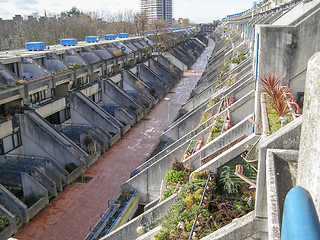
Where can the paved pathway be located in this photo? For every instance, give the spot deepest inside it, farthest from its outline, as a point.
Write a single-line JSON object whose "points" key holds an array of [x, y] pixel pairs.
{"points": [[70, 215]]}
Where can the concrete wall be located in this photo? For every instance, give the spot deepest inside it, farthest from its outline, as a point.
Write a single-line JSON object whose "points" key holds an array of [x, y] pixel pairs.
{"points": [[130, 228], [175, 61], [6, 129], [12, 227], [32, 188], [130, 116], [51, 108], [13, 204], [122, 98], [41, 139], [281, 173], [287, 137], [153, 79], [309, 154], [244, 127], [45, 181], [286, 50], [82, 108], [184, 125], [141, 87], [246, 227], [296, 12]]}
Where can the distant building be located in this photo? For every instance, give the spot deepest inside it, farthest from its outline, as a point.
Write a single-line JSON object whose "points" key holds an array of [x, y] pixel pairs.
{"points": [[157, 10], [208, 28]]}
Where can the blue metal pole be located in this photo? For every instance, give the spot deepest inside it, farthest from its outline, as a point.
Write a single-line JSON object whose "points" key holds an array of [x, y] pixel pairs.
{"points": [[300, 220]]}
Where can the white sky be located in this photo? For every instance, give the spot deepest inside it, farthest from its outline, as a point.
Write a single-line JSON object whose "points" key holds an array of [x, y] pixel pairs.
{"points": [[198, 11]]}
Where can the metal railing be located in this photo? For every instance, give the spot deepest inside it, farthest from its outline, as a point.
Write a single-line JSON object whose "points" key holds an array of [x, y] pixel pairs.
{"points": [[105, 218], [204, 192], [106, 231], [31, 160]]}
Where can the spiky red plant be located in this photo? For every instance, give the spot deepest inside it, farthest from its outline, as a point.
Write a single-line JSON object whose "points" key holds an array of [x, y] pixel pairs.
{"points": [[270, 83], [272, 87]]}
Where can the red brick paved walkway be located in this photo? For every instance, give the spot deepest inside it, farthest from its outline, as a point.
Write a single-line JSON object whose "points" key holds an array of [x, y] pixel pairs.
{"points": [[70, 215]]}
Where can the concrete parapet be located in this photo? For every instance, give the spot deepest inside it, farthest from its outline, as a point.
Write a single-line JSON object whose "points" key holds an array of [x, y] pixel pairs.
{"points": [[112, 91], [175, 61], [41, 139], [174, 70], [241, 228], [32, 188], [45, 181], [12, 226], [309, 154], [287, 137], [83, 111], [157, 85], [237, 131], [130, 228], [184, 125], [13, 204], [281, 174], [132, 83], [53, 175], [292, 45]]}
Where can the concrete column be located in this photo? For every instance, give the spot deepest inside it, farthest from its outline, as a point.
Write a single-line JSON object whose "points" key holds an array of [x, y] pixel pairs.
{"points": [[309, 152]]}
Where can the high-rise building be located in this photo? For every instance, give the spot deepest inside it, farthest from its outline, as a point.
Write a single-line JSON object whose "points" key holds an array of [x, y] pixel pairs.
{"points": [[157, 9]]}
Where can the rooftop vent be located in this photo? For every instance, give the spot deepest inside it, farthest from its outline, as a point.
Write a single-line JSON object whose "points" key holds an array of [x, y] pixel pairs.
{"points": [[123, 35], [68, 42], [35, 46], [91, 39], [110, 36]]}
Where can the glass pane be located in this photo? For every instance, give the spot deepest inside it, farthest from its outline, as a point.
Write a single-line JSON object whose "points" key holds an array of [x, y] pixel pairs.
{"points": [[8, 144], [16, 140]]}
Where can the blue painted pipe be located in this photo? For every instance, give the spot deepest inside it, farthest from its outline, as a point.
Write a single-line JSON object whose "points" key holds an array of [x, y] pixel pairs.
{"points": [[300, 220]]}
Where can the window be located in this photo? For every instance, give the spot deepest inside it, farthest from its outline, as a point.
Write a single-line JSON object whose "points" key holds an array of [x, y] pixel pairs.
{"points": [[10, 142], [38, 96], [59, 117]]}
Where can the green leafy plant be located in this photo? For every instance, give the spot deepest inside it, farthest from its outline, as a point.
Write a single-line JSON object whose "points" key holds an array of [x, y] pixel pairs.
{"points": [[174, 176], [190, 187], [230, 184], [4, 221]]}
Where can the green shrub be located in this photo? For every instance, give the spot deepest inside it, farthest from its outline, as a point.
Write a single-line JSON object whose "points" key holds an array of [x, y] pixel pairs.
{"points": [[4, 221], [173, 176], [230, 184]]}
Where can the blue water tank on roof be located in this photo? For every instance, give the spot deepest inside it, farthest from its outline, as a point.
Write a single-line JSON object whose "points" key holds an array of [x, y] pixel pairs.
{"points": [[34, 46], [68, 42], [123, 35], [90, 39], [110, 37]]}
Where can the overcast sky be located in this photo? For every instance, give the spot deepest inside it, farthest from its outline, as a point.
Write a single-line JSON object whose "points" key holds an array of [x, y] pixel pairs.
{"points": [[197, 11]]}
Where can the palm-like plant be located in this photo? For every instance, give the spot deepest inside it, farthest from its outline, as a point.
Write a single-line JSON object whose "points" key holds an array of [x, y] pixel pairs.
{"points": [[272, 87]]}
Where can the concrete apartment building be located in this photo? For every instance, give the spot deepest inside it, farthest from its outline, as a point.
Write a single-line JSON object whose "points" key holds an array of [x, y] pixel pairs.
{"points": [[157, 10], [63, 106], [93, 103]]}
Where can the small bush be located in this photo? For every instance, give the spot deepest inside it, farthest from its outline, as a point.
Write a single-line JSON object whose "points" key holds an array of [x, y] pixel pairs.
{"points": [[174, 176], [4, 221]]}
